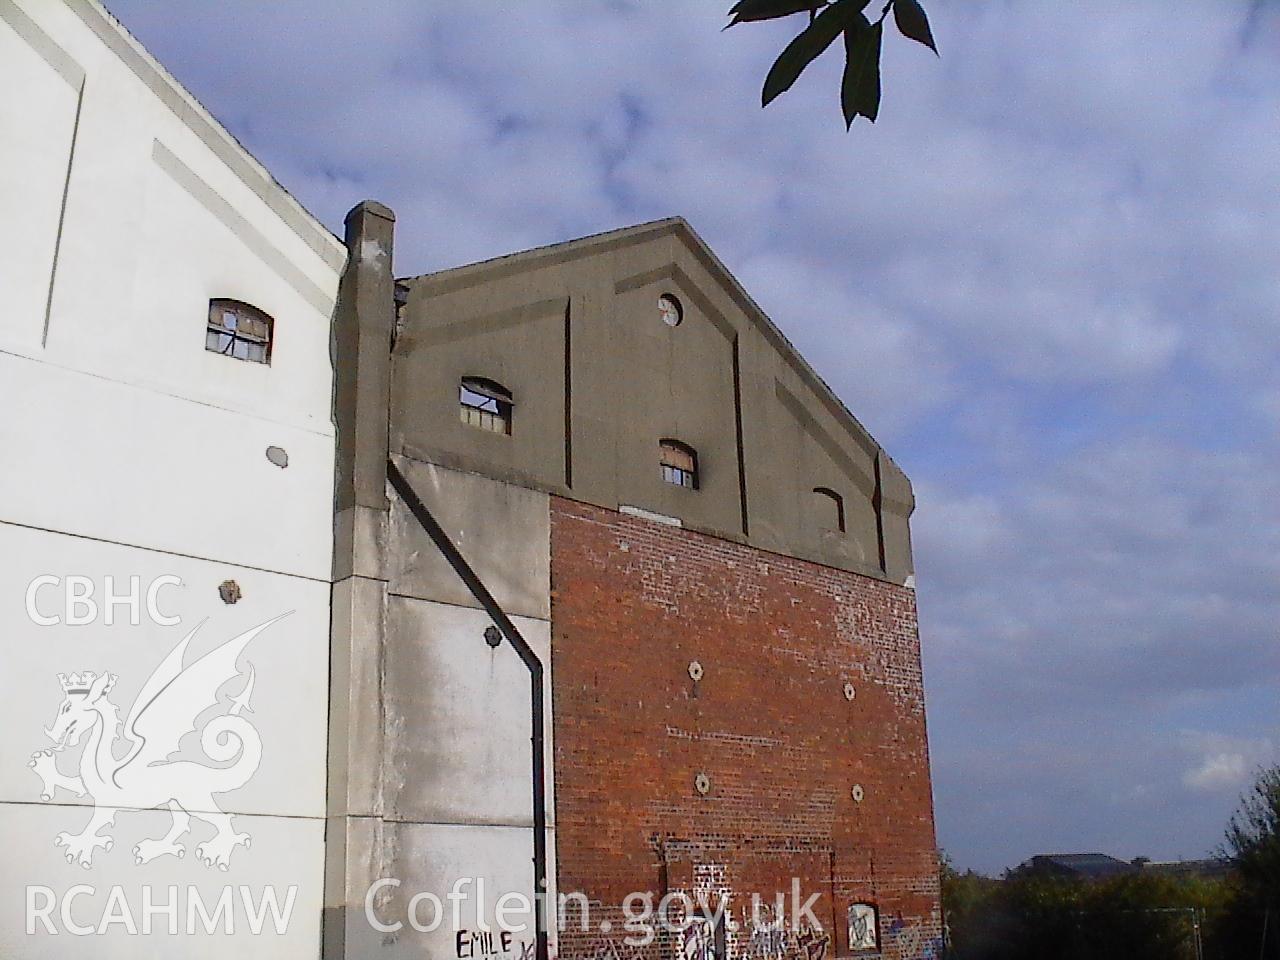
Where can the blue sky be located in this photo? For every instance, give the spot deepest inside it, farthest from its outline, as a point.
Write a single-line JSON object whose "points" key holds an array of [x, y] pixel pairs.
{"points": [[1048, 280]]}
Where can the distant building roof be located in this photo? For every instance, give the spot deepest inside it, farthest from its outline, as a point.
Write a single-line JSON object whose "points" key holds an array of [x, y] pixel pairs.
{"points": [[1212, 867], [1099, 866], [1089, 866]]}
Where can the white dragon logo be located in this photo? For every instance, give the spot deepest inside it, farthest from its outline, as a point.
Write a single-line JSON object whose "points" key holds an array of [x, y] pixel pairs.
{"points": [[166, 709]]}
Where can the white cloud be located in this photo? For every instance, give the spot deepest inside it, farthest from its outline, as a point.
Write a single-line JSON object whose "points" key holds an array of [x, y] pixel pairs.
{"points": [[1224, 763]]}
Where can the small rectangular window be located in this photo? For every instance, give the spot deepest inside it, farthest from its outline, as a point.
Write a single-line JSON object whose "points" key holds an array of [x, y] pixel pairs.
{"points": [[485, 404], [236, 329], [679, 464]]}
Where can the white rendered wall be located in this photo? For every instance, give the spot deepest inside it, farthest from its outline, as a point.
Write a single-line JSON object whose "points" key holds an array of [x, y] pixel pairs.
{"points": [[131, 452]]}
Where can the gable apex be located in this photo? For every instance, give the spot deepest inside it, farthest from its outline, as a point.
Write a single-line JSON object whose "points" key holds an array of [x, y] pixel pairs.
{"points": [[463, 277]]}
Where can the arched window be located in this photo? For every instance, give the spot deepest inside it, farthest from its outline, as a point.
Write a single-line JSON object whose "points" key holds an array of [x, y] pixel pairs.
{"points": [[485, 404], [679, 463], [240, 330], [829, 506]]}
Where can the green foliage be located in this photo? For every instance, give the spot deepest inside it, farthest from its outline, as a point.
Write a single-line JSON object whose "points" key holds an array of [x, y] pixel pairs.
{"points": [[1032, 916], [860, 90], [745, 11], [801, 51], [1253, 839], [1250, 927], [860, 86], [1135, 916], [911, 21]]}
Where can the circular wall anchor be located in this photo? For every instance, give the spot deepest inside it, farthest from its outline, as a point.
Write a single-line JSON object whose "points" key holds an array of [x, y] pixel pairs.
{"points": [[229, 591], [278, 456], [695, 670], [857, 793], [702, 783], [492, 637], [849, 691]]}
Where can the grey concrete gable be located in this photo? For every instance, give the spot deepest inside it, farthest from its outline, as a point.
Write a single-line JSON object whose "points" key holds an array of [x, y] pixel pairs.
{"points": [[598, 245], [573, 331]]}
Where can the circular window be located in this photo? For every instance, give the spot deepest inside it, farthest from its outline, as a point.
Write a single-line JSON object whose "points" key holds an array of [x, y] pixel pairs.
{"points": [[670, 310]]}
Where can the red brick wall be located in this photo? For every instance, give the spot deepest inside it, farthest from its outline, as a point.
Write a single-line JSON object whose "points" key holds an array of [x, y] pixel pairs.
{"points": [[633, 603]]}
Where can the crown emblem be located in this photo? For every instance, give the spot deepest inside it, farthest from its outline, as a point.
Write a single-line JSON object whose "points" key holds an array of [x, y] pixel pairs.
{"points": [[77, 682]]}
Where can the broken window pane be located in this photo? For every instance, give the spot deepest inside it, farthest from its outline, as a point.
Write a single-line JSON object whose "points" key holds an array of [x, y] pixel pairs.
{"points": [[485, 404], [239, 330], [679, 464]]}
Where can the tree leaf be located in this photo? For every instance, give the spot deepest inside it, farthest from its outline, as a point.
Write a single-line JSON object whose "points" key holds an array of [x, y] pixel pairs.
{"points": [[747, 11], [801, 51], [912, 22], [860, 89]]}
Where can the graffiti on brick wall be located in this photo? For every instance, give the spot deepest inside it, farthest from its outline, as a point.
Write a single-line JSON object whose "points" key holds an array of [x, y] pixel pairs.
{"points": [[810, 945], [780, 944], [699, 940], [763, 935], [913, 941], [766, 938], [758, 932], [606, 949]]}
